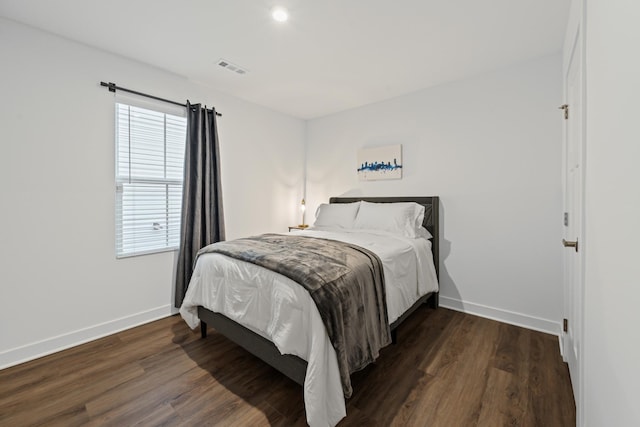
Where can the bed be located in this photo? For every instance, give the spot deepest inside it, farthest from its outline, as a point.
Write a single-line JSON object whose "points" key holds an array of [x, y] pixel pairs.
{"points": [[293, 339]]}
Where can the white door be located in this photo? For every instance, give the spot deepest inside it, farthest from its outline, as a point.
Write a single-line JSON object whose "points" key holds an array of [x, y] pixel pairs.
{"points": [[574, 210]]}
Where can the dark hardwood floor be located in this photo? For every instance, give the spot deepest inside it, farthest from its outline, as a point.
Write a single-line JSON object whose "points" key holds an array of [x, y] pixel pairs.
{"points": [[448, 369]]}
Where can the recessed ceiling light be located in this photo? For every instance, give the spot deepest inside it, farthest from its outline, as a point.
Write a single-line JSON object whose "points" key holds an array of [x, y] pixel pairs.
{"points": [[280, 14]]}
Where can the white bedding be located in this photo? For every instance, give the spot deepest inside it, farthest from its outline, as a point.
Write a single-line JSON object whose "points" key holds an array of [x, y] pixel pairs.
{"points": [[282, 311]]}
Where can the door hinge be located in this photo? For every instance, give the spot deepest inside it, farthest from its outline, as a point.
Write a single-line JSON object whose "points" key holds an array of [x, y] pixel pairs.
{"points": [[565, 325], [565, 107], [566, 219]]}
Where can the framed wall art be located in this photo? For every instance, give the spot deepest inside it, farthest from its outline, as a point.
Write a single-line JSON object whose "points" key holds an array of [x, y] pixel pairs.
{"points": [[378, 163]]}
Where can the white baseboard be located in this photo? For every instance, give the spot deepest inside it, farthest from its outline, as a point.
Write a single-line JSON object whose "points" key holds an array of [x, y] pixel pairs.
{"points": [[48, 346], [513, 318]]}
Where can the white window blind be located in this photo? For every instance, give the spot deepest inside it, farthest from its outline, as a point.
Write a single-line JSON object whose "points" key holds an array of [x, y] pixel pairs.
{"points": [[149, 172]]}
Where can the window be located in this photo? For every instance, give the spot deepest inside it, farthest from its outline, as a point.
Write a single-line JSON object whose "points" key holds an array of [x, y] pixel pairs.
{"points": [[149, 163]]}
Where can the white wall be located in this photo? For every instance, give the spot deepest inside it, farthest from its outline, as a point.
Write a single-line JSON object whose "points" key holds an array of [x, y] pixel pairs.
{"points": [[60, 281], [612, 270], [490, 147]]}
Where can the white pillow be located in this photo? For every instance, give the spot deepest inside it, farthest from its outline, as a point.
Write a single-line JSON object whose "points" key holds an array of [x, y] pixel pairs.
{"points": [[420, 230], [399, 218], [340, 215]]}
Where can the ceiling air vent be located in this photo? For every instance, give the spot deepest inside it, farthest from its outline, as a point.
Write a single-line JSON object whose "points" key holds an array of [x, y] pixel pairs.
{"points": [[231, 67]]}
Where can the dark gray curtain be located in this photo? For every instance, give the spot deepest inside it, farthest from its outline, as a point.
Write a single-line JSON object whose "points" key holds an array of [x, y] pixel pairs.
{"points": [[202, 218]]}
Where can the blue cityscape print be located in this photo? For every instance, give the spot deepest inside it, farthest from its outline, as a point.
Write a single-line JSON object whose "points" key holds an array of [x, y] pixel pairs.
{"points": [[379, 166]]}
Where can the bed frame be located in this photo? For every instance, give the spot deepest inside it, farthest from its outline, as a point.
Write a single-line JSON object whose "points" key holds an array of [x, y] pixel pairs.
{"points": [[293, 366]]}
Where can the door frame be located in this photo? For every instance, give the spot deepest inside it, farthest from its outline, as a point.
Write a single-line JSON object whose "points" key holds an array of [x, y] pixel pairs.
{"points": [[574, 40]]}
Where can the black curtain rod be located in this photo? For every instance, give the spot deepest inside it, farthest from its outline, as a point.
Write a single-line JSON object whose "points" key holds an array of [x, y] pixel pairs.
{"points": [[113, 87]]}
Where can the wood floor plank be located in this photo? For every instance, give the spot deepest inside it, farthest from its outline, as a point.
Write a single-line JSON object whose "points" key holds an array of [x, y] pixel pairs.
{"points": [[261, 414], [286, 397], [32, 374], [549, 399], [462, 380], [500, 405], [447, 369], [163, 415], [56, 399], [510, 352], [130, 401]]}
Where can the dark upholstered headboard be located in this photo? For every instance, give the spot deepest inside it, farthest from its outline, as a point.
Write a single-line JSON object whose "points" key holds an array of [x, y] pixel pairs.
{"points": [[431, 219]]}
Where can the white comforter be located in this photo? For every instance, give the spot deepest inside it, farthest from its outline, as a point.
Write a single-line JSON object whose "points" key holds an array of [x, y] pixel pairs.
{"points": [[282, 311]]}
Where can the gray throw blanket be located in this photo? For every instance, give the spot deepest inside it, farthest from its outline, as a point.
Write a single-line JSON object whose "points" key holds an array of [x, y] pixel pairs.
{"points": [[345, 281]]}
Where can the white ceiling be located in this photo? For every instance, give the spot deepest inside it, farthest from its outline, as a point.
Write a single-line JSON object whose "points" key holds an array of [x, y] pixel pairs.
{"points": [[330, 56]]}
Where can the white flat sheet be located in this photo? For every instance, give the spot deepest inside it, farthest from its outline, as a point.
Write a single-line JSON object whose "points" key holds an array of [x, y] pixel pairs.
{"points": [[282, 311]]}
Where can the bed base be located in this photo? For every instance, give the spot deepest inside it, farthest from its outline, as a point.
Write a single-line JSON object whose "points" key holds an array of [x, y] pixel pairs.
{"points": [[292, 366]]}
